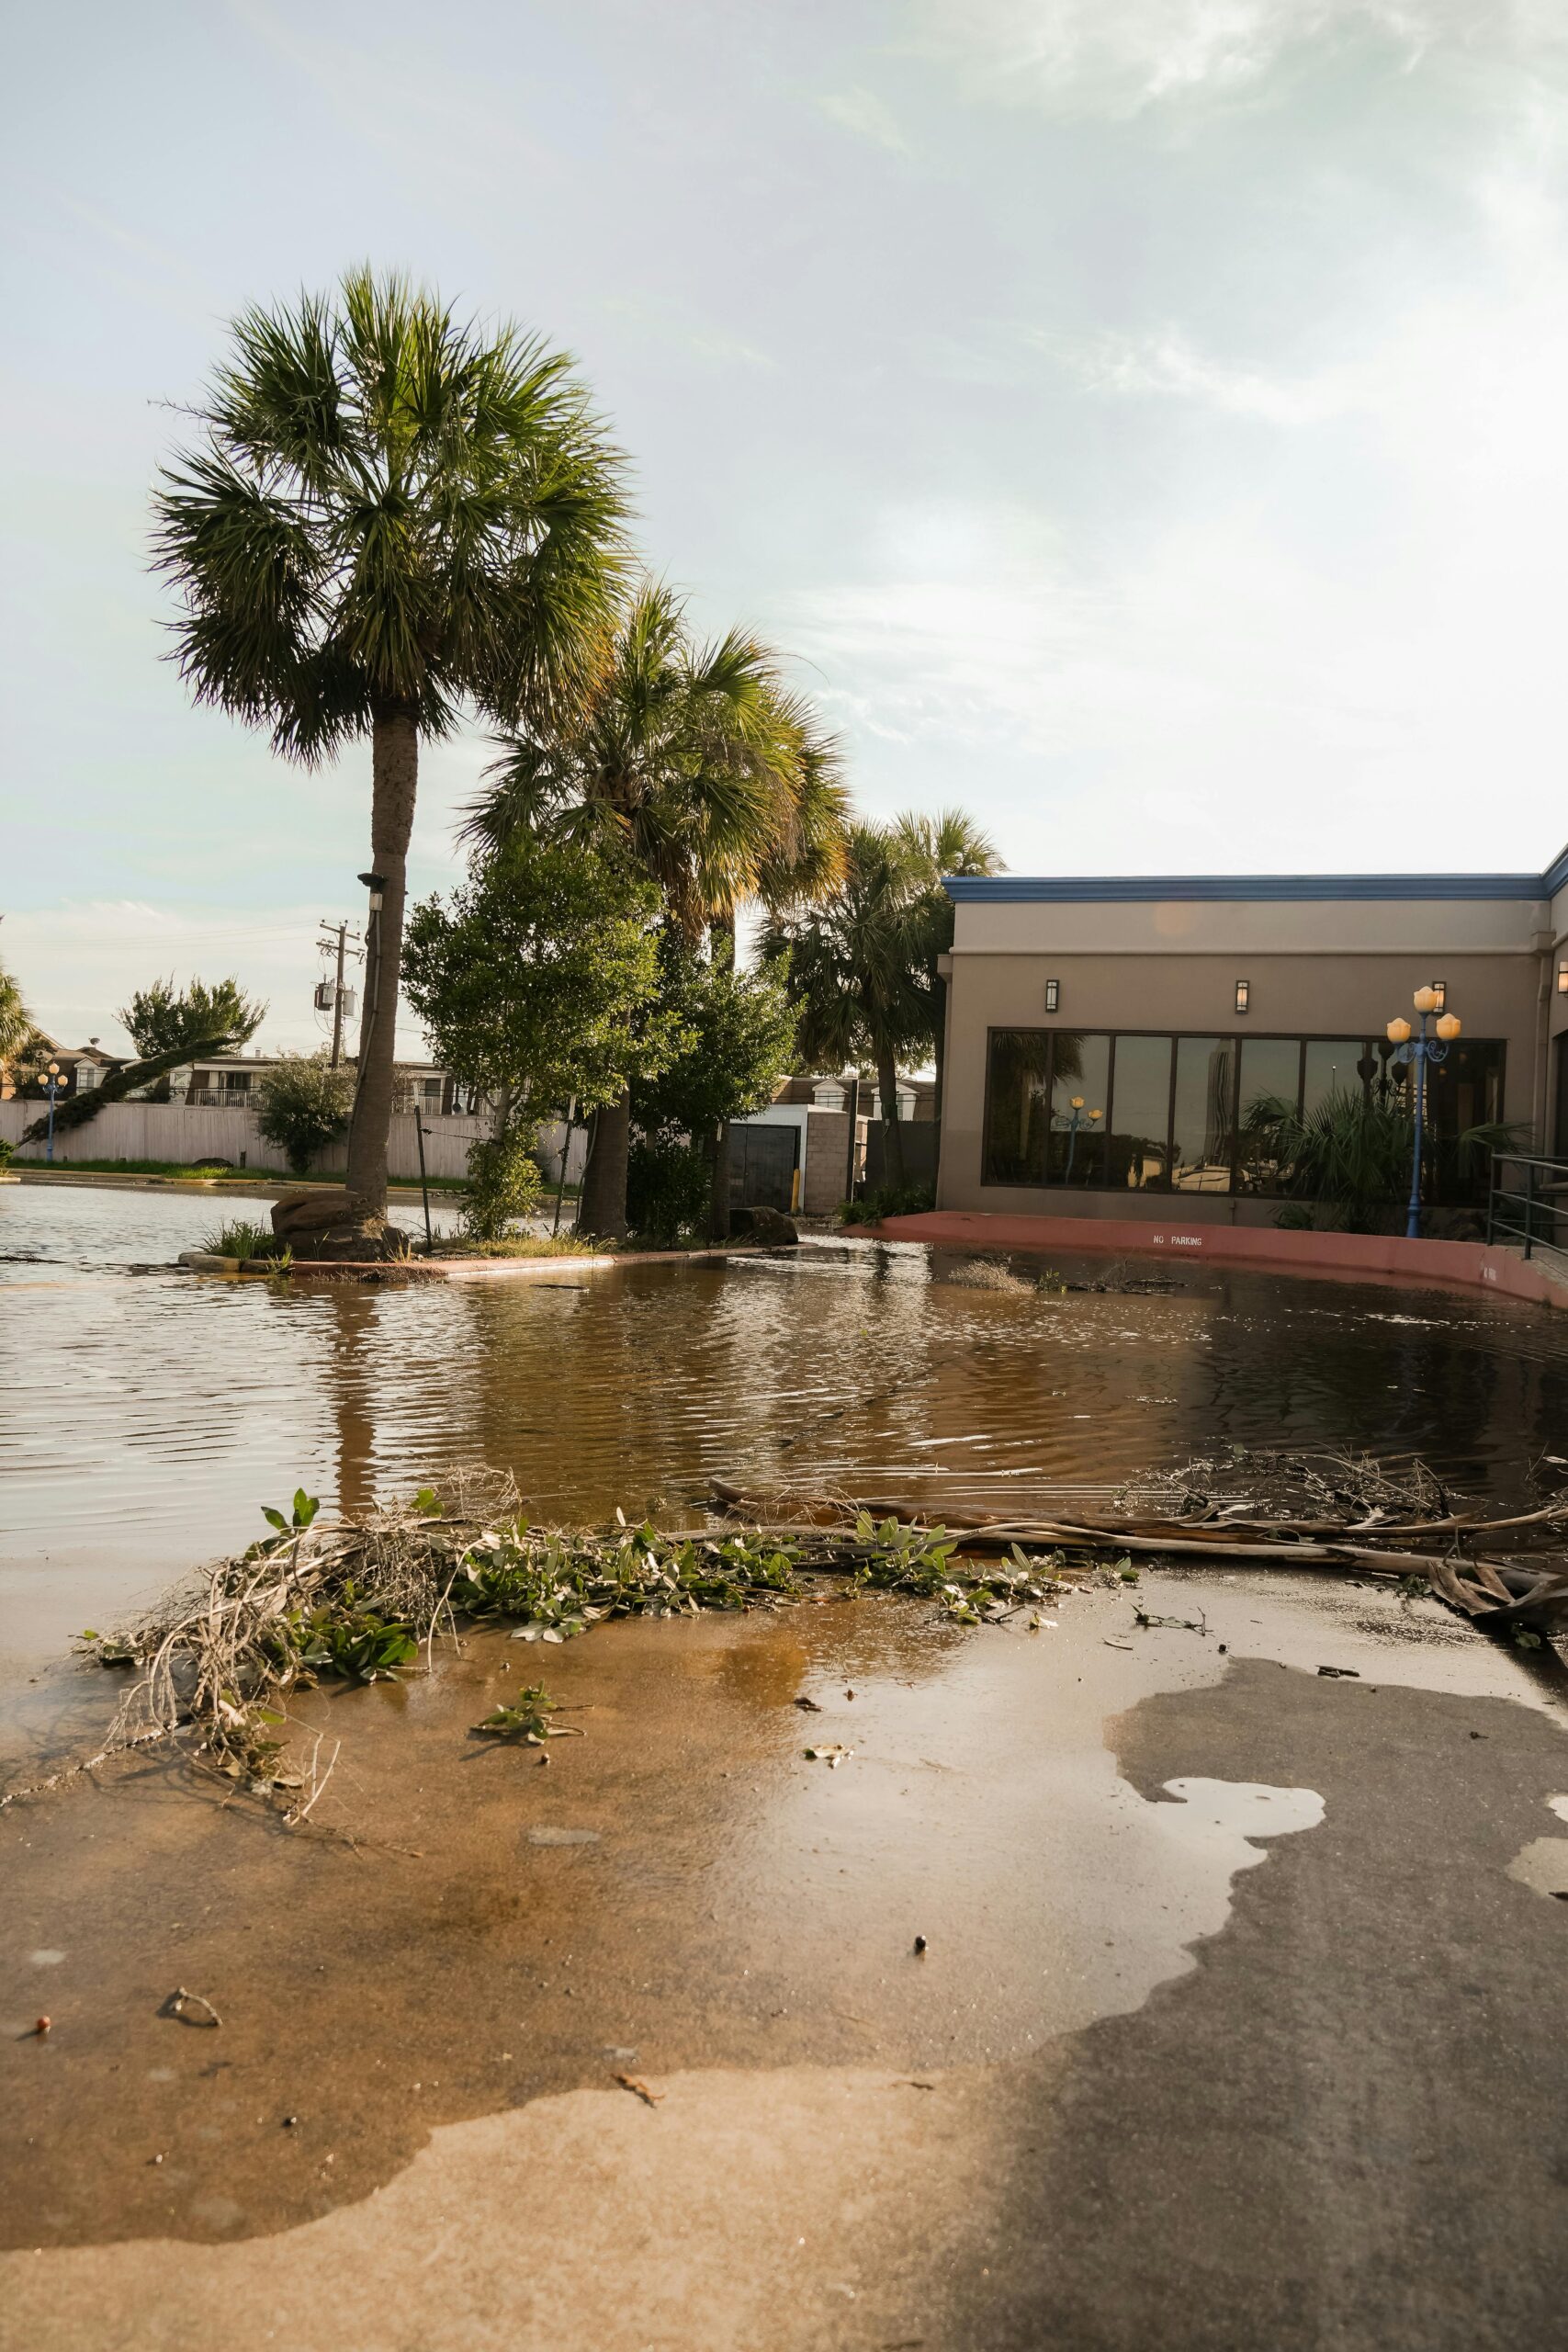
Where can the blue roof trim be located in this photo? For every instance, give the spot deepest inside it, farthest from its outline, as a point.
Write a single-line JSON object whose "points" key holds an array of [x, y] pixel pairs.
{"points": [[1556, 874], [1070, 889]]}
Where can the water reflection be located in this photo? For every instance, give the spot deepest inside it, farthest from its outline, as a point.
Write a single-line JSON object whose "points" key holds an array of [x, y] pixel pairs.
{"points": [[143, 1420]]}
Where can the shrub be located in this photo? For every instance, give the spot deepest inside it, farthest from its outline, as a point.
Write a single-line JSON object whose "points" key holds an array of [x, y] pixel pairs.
{"points": [[667, 1190], [504, 1183], [6, 1150], [302, 1104], [241, 1239], [251, 1244], [887, 1200]]}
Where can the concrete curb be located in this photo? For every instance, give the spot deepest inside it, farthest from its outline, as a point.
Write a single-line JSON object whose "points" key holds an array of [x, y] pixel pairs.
{"points": [[1472, 1265], [457, 1270]]}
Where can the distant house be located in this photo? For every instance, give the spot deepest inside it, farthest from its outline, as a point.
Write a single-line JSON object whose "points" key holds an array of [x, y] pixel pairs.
{"points": [[227, 1082], [81, 1067]]}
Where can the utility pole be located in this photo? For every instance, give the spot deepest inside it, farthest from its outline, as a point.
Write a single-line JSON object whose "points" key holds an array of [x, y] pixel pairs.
{"points": [[335, 940]]}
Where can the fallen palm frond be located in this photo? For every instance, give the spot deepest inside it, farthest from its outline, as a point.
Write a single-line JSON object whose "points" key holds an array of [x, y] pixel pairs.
{"points": [[1370, 1523], [360, 1599]]}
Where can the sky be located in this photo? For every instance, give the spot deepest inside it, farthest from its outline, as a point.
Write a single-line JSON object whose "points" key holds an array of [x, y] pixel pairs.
{"points": [[1143, 422]]}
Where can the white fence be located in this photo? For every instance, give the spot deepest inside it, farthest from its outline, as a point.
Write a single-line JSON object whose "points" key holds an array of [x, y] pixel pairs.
{"points": [[186, 1132]]}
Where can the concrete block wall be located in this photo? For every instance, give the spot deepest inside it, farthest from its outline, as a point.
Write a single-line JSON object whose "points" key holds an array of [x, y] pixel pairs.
{"points": [[184, 1133]]}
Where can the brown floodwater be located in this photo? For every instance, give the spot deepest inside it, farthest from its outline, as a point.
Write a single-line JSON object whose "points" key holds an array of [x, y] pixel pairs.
{"points": [[145, 1416], [1203, 1925]]}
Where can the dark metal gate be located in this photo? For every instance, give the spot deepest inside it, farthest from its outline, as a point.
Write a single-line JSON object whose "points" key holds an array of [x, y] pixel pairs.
{"points": [[762, 1161]]}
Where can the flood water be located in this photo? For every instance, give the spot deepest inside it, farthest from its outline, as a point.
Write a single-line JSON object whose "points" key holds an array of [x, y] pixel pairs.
{"points": [[1167, 1854], [146, 1415]]}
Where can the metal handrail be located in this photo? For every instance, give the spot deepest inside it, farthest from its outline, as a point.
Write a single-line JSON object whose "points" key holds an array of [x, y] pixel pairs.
{"points": [[1528, 1213]]}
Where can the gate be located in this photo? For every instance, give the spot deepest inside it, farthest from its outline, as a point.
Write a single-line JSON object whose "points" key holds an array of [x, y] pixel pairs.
{"points": [[762, 1161]]}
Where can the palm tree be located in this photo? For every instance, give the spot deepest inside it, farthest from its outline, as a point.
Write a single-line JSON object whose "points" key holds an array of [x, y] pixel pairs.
{"points": [[855, 971], [693, 764], [15, 1021], [949, 843], [865, 968], [388, 517]]}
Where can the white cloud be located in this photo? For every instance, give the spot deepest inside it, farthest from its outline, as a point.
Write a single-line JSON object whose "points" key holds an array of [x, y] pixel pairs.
{"points": [[864, 115], [1120, 57], [1167, 364]]}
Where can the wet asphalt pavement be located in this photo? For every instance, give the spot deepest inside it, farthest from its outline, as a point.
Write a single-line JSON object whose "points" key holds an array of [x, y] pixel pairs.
{"points": [[1234, 2027]]}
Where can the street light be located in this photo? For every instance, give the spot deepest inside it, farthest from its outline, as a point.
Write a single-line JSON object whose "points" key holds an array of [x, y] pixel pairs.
{"points": [[1073, 1124], [54, 1085], [1437, 1034]]}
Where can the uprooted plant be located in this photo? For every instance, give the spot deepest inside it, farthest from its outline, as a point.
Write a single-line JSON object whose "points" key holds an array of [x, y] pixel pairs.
{"points": [[358, 1599], [527, 1718]]}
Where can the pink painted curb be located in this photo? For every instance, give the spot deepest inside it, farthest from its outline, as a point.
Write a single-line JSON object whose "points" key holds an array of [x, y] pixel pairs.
{"points": [[1470, 1264]]}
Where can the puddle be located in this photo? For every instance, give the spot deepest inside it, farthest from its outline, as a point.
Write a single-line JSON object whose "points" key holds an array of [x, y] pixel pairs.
{"points": [[1243, 1808], [1542, 1865]]}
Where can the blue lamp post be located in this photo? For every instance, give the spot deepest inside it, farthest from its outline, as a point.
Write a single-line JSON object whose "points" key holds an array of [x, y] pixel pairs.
{"points": [[1073, 1125], [53, 1088], [1438, 1029]]}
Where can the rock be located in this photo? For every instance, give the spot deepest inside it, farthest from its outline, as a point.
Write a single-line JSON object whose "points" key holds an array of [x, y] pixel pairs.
{"points": [[328, 1222], [770, 1226]]}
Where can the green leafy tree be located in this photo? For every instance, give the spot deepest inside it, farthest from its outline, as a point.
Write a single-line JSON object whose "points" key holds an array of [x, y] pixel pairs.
{"points": [[692, 766], [736, 1041], [736, 1036], [504, 1182], [854, 969], [537, 980], [949, 843], [303, 1104], [389, 517], [162, 1017]]}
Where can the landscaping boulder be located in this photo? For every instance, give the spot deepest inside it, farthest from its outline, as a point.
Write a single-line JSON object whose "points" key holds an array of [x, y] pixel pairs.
{"points": [[326, 1222], [770, 1226]]}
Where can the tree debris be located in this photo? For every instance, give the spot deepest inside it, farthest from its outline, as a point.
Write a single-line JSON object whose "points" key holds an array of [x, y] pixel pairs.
{"points": [[175, 2006], [633, 2084]]}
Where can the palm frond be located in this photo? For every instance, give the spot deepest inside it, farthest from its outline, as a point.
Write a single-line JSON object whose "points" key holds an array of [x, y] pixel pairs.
{"points": [[388, 508]]}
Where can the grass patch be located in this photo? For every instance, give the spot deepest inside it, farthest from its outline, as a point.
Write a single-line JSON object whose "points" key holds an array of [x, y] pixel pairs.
{"points": [[221, 1172], [522, 1245], [241, 1239]]}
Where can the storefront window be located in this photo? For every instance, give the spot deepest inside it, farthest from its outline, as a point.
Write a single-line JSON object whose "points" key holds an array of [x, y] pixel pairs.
{"points": [[1018, 1106], [1079, 1090], [1335, 1066], [1203, 1127], [1220, 1126], [1270, 1086], [1466, 1089], [1139, 1141]]}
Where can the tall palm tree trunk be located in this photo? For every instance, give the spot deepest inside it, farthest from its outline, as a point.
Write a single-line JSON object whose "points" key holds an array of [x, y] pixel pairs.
{"points": [[892, 1134], [394, 779], [603, 1209], [721, 935], [939, 1060]]}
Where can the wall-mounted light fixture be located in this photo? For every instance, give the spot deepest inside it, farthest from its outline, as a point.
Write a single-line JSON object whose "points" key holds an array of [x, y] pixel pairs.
{"points": [[1053, 996], [1562, 976], [1440, 992], [1243, 995]]}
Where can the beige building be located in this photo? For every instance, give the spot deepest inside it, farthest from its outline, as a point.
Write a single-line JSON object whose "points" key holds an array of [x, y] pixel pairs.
{"points": [[1115, 1039]]}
